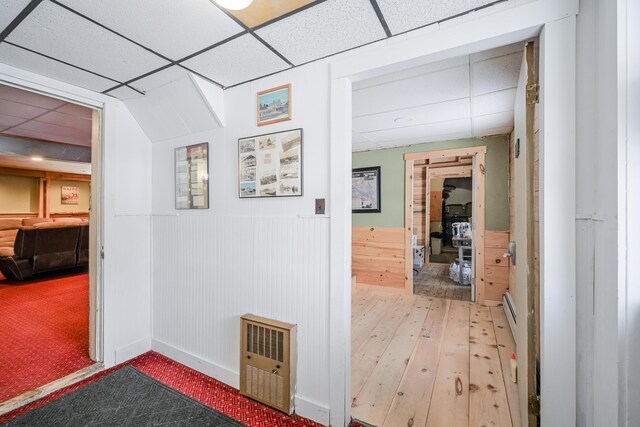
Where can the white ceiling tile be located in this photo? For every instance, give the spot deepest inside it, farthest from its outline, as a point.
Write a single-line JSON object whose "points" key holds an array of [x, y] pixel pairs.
{"points": [[426, 139], [29, 98], [356, 137], [413, 72], [420, 90], [62, 119], [424, 114], [124, 93], [172, 28], [325, 29], [8, 121], [54, 31], [365, 146], [404, 15], [160, 78], [493, 102], [492, 131], [491, 121], [499, 51], [237, 61], [57, 132], [9, 10], [29, 61], [76, 110], [496, 74], [23, 111], [422, 131]]}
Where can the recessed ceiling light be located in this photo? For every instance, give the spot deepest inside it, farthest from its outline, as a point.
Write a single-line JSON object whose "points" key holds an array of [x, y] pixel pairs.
{"points": [[234, 4], [36, 158], [402, 119]]}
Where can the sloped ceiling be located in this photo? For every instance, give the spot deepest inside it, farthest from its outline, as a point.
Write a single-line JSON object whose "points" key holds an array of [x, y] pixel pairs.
{"points": [[123, 48]]}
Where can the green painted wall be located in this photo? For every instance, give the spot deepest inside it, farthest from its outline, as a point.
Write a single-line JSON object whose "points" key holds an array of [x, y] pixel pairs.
{"points": [[391, 164]]}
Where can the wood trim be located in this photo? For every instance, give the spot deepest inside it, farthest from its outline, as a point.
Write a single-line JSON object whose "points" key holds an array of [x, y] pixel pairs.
{"points": [[21, 172], [478, 219], [375, 288], [47, 198], [19, 215], [532, 305], [41, 197], [427, 217], [408, 227], [452, 172], [454, 152]]}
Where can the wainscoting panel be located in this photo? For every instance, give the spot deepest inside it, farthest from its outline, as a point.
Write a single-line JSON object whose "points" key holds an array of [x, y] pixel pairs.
{"points": [[208, 270], [378, 256]]}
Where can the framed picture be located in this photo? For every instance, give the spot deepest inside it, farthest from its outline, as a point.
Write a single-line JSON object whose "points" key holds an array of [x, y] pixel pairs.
{"points": [[192, 176], [270, 165], [365, 190], [69, 195], [274, 105]]}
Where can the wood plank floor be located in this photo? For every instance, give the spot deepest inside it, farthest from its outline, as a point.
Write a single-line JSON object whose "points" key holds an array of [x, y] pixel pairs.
{"points": [[433, 281], [425, 361]]}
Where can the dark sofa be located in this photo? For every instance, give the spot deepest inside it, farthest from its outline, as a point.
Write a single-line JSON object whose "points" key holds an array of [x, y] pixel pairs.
{"points": [[45, 248]]}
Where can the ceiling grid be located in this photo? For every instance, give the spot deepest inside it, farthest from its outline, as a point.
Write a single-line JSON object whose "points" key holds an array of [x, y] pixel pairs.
{"points": [[135, 41]]}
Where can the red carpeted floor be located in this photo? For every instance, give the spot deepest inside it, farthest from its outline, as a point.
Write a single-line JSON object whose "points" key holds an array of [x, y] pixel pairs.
{"points": [[44, 331], [205, 389]]}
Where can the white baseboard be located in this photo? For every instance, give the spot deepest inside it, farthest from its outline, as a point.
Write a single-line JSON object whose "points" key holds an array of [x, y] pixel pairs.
{"points": [[218, 372], [132, 350], [304, 407]]}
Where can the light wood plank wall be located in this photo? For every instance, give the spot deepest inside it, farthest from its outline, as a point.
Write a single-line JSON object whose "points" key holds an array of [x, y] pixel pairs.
{"points": [[497, 268], [378, 257], [419, 196]]}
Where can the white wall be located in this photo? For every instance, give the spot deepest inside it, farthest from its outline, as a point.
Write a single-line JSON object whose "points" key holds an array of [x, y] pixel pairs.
{"points": [[126, 308], [264, 256]]}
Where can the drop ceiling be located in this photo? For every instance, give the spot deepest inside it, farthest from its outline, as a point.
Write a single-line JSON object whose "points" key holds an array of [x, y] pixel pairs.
{"points": [[464, 97], [121, 47], [35, 125]]}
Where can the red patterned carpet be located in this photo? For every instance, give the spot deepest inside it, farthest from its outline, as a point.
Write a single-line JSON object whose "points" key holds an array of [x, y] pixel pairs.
{"points": [[205, 389], [44, 331]]}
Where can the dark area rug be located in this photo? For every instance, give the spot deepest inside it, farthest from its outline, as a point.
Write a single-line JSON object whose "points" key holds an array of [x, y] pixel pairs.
{"points": [[126, 397]]}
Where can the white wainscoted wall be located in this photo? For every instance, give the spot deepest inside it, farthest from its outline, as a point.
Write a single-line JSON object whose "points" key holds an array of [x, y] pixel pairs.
{"points": [[269, 257]]}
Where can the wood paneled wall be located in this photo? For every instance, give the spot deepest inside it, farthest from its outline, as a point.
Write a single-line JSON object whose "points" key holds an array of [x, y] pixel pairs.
{"points": [[378, 257], [419, 201], [496, 270]]}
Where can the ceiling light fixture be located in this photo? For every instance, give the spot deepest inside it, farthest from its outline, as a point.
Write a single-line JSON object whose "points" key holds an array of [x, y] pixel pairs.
{"points": [[402, 119], [234, 4], [36, 158]]}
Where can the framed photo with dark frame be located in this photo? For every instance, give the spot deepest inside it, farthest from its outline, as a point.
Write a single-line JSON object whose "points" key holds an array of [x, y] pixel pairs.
{"points": [[192, 176], [270, 165], [365, 190]]}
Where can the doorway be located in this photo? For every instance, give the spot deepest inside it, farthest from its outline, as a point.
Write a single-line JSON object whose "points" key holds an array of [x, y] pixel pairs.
{"points": [[52, 149]]}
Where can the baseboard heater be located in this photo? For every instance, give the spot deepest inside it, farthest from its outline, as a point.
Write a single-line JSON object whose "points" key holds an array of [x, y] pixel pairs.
{"points": [[510, 310], [268, 362]]}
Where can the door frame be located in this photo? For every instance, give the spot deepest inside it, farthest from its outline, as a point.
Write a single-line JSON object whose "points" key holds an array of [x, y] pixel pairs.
{"points": [[478, 155], [96, 211], [555, 23]]}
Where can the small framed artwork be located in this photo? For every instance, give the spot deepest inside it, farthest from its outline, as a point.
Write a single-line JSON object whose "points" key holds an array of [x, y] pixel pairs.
{"points": [[274, 105], [365, 190], [270, 165], [69, 195], [192, 176]]}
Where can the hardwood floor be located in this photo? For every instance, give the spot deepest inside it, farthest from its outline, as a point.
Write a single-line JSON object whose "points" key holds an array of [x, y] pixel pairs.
{"points": [[433, 281], [423, 361]]}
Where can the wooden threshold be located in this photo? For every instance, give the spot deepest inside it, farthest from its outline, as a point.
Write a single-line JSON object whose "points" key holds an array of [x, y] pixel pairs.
{"points": [[45, 390]]}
